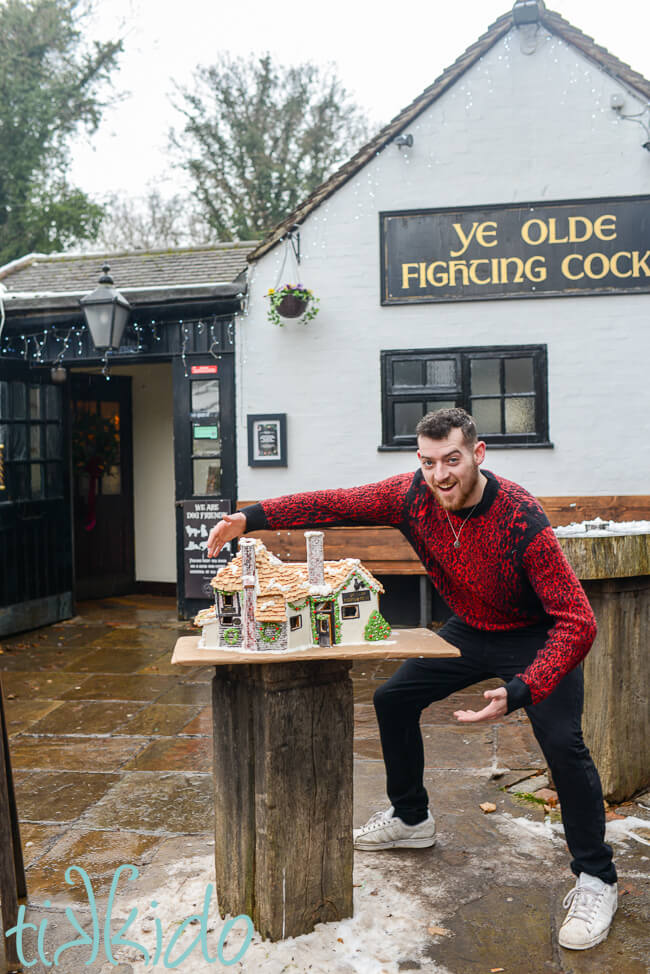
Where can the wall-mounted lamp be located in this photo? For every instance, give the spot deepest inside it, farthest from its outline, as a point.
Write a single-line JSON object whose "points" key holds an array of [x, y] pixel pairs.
{"points": [[616, 103], [404, 141], [107, 312], [58, 374]]}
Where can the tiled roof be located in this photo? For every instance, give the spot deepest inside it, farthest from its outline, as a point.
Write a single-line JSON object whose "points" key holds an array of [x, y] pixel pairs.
{"points": [[553, 22], [78, 274], [279, 583]]}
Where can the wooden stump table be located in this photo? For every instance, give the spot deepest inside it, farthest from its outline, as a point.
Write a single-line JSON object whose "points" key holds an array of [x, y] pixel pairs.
{"points": [[615, 573], [283, 735]]}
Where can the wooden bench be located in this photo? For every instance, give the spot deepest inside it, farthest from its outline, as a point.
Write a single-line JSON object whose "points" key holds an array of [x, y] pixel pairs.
{"points": [[385, 551]]}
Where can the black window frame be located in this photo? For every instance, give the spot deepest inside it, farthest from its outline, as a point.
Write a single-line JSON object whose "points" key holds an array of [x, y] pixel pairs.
{"points": [[18, 479], [461, 394]]}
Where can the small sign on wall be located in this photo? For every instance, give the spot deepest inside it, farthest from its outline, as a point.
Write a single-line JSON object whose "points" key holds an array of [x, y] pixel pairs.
{"points": [[267, 440], [199, 517]]}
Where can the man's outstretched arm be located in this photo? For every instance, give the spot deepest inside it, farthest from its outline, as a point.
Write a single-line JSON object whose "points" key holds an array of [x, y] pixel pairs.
{"points": [[381, 503]]}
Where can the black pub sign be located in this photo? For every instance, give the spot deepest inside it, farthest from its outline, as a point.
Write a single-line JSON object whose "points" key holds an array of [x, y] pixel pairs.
{"points": [[199, 517], [522, 250]]}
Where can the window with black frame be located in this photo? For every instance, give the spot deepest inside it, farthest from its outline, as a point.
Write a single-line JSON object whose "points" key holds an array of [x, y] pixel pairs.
{"points": [[31, 441], [503, 387]]}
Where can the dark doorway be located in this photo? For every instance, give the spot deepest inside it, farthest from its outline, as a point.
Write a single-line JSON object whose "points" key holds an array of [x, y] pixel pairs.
{"points": [[102, 460]]}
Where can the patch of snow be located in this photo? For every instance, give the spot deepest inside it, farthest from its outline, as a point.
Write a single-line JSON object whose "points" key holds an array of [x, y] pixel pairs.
{"points": [[602, 529], [389, 925], [320, 589]]}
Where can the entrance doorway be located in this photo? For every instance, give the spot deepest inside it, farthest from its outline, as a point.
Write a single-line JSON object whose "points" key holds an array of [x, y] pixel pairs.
{"points": [[102, 461], [325, 624]]}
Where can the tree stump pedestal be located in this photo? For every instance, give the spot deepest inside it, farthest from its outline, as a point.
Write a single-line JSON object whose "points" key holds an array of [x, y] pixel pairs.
{"points": [[615, 573], [283, 737]]}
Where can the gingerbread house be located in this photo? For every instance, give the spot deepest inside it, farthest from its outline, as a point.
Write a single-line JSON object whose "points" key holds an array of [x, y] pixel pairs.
{"points": [[262, 603]]}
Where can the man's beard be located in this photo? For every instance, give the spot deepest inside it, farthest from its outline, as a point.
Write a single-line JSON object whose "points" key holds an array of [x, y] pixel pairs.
{"points": [[459, 499]]}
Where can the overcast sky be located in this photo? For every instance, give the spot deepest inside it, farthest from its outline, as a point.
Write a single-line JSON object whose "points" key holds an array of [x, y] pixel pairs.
{"points": [[385, 56]]}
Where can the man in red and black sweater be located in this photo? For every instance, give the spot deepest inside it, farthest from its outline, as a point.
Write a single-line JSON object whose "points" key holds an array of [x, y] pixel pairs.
{"points": [[520, 614]]}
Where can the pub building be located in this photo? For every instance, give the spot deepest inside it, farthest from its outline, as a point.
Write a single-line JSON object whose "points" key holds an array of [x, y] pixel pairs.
{"points": [[489, 248]]}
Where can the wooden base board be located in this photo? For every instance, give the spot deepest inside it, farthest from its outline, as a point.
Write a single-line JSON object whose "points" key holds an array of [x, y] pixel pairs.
{"points": [[403, 644]]}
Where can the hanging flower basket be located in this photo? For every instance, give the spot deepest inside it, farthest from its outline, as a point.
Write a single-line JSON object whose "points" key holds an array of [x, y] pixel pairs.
{"points": [[291, 301]]}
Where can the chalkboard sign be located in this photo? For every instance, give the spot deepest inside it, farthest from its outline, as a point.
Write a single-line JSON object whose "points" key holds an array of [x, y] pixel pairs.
{"points": [[199, 517]]}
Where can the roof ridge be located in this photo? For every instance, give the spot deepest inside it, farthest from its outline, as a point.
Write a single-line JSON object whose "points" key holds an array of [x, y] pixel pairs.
{"points": [[553, 21]]}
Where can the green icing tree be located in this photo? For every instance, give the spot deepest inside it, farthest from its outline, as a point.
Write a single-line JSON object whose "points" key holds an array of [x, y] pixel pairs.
{"points": [[376, 627], [51, 77], [258, 138]]}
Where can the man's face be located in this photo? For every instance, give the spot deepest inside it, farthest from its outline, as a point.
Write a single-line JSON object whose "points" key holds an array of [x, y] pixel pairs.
{"points": [[451, 469]]}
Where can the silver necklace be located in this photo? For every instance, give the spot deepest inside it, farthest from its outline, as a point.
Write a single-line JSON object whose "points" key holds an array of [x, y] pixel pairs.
{"points": [[457, 536]]}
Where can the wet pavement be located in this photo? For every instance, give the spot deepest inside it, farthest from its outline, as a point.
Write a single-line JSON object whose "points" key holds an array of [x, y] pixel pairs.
{"points": [[111, 753]]}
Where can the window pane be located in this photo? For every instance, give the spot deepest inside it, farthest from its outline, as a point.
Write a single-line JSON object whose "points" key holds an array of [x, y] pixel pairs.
{"points": [[519, 375], [53, 440], [4, 400], [441, 372], [440, 404], [53, 402], [112, 482], [16, 480], [111, 411], [407, 373], [487, 415], [205, 439], [35, 449], [205, 396], [18, 400], [406, 416], [17, 442], [207, 476], [485, 376], [54, 480], [35, 410], [36, 480], [520, 415]]}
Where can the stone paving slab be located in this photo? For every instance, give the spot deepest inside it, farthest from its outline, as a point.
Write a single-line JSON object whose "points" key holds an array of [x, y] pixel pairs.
{"points": [[106, 660], [99, 853], [86, 717], [201, 724], [60, 796], [159, 719], [34, 685], [119, 687], [179, 754], [75, 753], [187, 693], [22, 715], [154, 802]]}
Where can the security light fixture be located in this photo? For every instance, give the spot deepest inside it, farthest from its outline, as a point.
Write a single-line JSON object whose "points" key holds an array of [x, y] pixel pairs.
{"points": [[527, 12], [404, 140], [106, 312]]}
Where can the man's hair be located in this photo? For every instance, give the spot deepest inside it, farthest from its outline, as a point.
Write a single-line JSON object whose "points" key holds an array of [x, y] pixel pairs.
{"points": [[439, 424]]}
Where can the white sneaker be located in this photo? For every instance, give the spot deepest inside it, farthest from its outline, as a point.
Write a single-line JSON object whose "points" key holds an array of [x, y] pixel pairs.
{"points": [[385, 831], [592, 905]]}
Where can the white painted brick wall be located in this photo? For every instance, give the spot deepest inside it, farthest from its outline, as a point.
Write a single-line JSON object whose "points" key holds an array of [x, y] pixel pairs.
{"points": [[514, 128]]}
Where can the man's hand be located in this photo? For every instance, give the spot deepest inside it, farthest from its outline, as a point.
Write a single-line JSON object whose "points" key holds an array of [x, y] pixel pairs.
{"points": [[229, 527], [496, 708]]}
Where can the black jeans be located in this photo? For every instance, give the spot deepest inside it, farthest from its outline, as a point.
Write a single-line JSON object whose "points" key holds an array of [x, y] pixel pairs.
{"points": [[556, 722]]}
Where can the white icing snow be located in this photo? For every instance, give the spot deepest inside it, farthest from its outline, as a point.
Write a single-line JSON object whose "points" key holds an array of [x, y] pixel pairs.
{"points": [[598, 528]]}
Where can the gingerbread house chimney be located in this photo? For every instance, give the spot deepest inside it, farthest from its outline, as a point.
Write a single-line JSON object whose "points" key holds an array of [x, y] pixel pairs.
{"points": [[315, 571], [249, 632]]}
